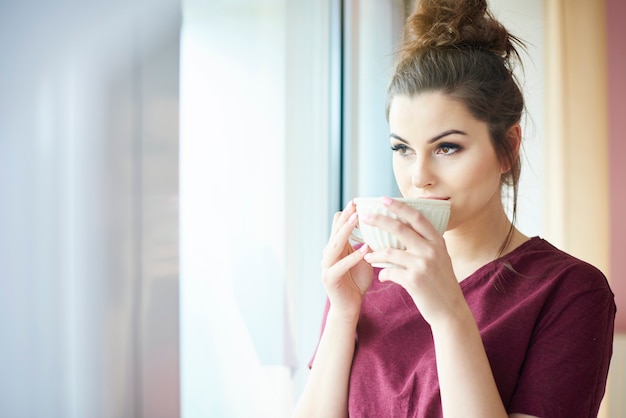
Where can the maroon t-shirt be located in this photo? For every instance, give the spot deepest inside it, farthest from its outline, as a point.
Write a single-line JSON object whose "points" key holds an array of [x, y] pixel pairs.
{"points": [[546, 320]]}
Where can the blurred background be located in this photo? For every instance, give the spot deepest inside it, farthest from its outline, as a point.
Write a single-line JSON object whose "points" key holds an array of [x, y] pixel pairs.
{"points": [[169, 170]]}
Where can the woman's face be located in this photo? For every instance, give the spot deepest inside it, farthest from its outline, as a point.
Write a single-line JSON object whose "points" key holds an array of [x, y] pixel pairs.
{"points": [[441, 151]]}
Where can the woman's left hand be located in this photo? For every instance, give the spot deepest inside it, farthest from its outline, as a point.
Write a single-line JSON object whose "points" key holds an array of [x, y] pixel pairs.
{"points": [[424, 267]]}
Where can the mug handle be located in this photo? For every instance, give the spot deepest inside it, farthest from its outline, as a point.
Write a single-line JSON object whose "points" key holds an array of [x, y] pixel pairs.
{"points": [[356, 236]]}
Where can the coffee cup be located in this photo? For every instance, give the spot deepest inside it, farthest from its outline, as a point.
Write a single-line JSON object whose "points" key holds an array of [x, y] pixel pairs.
{"points": [[436, 211]]}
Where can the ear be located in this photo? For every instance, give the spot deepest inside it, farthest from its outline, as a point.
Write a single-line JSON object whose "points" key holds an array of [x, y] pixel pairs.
{"points": [[514, 136]]}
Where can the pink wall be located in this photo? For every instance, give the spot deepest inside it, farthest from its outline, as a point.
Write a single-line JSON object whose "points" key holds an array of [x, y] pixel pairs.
{"points": [[616, 16]]}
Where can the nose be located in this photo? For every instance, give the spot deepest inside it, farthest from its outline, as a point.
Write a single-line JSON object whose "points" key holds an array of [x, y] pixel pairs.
{"points": [[422, 175]]}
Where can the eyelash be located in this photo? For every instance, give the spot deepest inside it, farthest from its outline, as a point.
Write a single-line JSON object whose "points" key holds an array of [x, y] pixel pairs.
{"points": [[403, 150], [452, 147], [400, 149]]}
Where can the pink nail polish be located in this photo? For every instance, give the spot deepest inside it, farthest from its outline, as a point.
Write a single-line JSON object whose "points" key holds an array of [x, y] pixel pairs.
{"points": [[352, 219], [386, 200]]}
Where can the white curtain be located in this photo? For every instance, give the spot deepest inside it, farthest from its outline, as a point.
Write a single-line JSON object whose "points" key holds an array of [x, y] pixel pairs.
{"points": [[253, 201], [88, 212]]}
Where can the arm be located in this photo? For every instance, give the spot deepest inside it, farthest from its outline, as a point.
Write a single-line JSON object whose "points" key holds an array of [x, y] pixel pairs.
{"points": [[468, 388], [346, 278], [572, 343], [467, 384], [326, 391]]}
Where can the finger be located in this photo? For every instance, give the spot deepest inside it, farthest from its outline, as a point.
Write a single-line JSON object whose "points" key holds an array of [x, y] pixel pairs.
{"points": [[412, 217], [343, 266], [399, 258], [335, 224], [411, 238], [338, 243], [398, 272], [342, 216]]}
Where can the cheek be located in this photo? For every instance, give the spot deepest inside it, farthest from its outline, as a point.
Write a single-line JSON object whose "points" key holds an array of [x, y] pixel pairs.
{"points": [[402, 173], [477, 184], [478, 176], [479, 168]]}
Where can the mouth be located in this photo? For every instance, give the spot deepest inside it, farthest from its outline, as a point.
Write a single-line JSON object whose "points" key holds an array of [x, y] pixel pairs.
{"points": [[433, 198]]}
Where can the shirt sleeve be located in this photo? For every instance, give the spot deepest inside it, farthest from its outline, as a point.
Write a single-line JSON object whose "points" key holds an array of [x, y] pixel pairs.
{"points": [[566, 366]]}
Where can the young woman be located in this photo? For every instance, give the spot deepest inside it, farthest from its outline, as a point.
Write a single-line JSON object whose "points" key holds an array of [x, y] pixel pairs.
{"points": [[484, 321]]}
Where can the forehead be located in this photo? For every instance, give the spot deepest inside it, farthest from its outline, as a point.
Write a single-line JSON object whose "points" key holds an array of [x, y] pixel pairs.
{"points": [[428, 114], [429, 105]]}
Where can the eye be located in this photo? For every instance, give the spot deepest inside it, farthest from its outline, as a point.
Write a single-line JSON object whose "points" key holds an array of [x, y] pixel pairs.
{"points": [[447, 148], [401, 149]]}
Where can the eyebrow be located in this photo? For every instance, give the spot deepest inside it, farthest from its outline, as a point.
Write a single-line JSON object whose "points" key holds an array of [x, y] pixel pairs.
{"points": [[433, 139]]}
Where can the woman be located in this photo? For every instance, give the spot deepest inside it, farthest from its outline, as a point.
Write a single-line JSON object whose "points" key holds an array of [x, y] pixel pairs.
{"points": [[484, 321]]}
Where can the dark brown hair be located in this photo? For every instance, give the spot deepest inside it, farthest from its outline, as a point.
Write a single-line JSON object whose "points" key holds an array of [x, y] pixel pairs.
{"points": [[458, 48]]}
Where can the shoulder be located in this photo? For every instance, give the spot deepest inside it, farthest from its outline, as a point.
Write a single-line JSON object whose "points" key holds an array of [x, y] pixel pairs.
{"points": [[539, 259]]}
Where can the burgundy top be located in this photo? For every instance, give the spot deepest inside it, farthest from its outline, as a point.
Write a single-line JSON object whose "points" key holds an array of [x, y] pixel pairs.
{"points": [[546, 320]]}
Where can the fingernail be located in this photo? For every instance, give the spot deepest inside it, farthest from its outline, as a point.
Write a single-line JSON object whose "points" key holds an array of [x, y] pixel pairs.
{"points": [[352, 219], [349, 205], [364, 249], [386, 200]]}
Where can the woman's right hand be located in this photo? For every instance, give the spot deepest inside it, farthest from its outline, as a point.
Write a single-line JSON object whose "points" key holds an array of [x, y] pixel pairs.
{"points": [[345, 275]]}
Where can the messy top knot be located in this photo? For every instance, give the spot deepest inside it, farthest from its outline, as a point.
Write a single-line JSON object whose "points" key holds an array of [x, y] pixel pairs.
{"points": [[457, 48], [450, 23]]}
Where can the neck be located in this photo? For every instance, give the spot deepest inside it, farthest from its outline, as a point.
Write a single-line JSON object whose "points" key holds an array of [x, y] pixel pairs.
{"points": [[475, 244]]}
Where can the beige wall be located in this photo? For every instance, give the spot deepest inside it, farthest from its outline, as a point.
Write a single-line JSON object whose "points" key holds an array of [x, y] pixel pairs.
{"points": [[577, 166], [577, 203]]}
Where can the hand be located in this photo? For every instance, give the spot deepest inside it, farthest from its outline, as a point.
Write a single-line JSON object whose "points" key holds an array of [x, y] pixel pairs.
{"points": [[345, 275], [424, 268]]}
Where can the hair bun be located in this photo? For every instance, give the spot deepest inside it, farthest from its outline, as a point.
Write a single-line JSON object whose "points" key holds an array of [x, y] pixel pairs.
{"points": [[456, 23]]}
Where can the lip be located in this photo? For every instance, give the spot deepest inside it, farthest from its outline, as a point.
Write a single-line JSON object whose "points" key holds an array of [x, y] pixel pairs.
{"points": [[433, 198]]}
